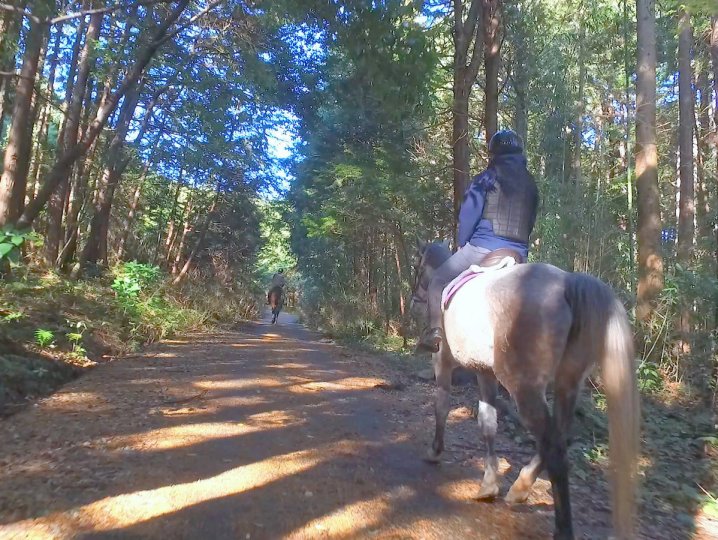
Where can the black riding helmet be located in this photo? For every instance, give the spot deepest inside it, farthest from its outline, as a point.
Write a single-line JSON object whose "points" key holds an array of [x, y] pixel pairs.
{"points": [[506, 141]]}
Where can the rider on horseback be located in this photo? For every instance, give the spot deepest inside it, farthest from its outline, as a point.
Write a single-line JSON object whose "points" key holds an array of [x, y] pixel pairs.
{"points": [[278, 281], [498, 211]]}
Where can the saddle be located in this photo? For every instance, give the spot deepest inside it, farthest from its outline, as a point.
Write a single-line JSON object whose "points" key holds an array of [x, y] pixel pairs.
{"points": [[498, 255], [496, 260]]}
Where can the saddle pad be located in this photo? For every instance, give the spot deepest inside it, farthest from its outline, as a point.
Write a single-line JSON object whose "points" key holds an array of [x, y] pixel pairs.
{"points": [[467, 275]]}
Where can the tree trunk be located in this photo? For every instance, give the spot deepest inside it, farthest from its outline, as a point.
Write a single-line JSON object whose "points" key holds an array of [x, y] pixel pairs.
{"points": [[200, 241], [113, 73], [650, 260], [58, 170], [77, 49], [185, 231], [96, 247], [577, 135], [491, 20], [467, 34], [67, 138], [169, 241], [686, 207], [714, 62], [627, 143], [13, 183], [134, 205], [701, 111], [9, 38], [35, 108], [520, 80], [80, 184], [402, 304], [42, 143]]}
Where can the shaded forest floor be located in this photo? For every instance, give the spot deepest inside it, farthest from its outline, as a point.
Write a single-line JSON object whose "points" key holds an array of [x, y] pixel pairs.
{"points": [[272, 431], [53, 329]]}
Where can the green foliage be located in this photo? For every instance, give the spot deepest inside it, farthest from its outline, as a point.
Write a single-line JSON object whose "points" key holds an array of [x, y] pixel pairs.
{"points": [[710, 506], [75, 338], [44, 338], [598, 453], [11, 242], [649, 378], [132, 277], [12, 316], [275, 252]]}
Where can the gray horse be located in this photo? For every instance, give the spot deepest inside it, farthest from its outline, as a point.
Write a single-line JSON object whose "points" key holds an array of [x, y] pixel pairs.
{"points": [[530, 326]]}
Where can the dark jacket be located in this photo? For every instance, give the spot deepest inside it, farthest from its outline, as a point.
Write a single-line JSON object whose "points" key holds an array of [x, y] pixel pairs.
{"points": [[476, 230]]}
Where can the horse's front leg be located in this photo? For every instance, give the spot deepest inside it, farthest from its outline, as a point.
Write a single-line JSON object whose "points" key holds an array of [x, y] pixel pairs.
{"points": [[488, 423], [442, 401]]}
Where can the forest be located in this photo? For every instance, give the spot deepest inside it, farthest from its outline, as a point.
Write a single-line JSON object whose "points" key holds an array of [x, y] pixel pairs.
{"points": [[161, 159]]}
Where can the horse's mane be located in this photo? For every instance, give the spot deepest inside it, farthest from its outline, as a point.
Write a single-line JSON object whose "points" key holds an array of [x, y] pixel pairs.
{"points": [[435, 254]]}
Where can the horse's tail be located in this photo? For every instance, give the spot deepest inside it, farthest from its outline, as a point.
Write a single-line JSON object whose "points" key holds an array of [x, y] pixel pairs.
{"points": [[600, 317]]}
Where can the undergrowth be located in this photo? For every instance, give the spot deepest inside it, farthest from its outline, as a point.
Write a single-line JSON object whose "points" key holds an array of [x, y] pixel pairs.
{"points": [[52, 328]]}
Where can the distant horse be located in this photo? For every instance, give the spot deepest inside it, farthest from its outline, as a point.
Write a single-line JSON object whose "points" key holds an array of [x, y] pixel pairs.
{"points": [[529, 326], [276, 301]]}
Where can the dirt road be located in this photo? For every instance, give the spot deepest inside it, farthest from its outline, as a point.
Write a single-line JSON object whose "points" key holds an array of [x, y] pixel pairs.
{"points": [[266, 432]]}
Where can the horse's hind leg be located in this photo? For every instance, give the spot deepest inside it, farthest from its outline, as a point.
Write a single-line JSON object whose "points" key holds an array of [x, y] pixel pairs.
{"points": [[552, 453], [488, 425], [521, 487], [533, 411], [442, 401]]}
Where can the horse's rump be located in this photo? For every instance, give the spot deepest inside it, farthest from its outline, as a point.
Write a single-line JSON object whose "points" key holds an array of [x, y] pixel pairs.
{"points": [[535, 324], [530, 326], [275, 293], [509, 311]]}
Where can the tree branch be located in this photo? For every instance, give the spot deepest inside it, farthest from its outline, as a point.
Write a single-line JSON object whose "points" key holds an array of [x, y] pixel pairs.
{"points": [[13, 74], [472, 19], [476, 55], [14, 9], [191, 21], [67, 17], [78, 14], [459, 25]]}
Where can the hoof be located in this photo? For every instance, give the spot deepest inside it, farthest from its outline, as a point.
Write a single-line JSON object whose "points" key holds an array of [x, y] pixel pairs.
{"points": [[488, 492], [515, 496], [432, 457]]}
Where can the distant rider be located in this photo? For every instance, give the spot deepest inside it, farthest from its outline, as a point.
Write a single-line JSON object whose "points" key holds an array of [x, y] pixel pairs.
{"points": [[278, 280]]}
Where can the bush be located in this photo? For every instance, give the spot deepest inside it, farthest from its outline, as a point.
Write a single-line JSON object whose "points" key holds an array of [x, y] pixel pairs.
{"points": [[133, 277]]}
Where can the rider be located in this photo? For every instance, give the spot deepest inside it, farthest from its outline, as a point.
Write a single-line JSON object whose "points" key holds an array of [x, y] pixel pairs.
{"points": [[498, 211], [277, 281]]}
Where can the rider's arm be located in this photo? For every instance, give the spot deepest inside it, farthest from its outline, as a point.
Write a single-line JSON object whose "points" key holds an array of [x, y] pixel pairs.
{"points": [[470, 213]]}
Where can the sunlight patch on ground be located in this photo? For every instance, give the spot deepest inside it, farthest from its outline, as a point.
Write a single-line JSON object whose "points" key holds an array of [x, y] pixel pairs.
{"points": [[348, 383], [240, 384], [133, 508], [352, 519], [233, 402], [289, 365], [192, 434], [460, 490], [77, 402]]}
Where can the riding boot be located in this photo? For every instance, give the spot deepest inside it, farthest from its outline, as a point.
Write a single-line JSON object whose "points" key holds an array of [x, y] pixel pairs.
{"points": [[430, 340]]}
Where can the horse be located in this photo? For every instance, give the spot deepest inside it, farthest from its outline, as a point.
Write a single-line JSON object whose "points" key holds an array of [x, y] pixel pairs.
{"points": [[528, 327], [276, 300]]}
